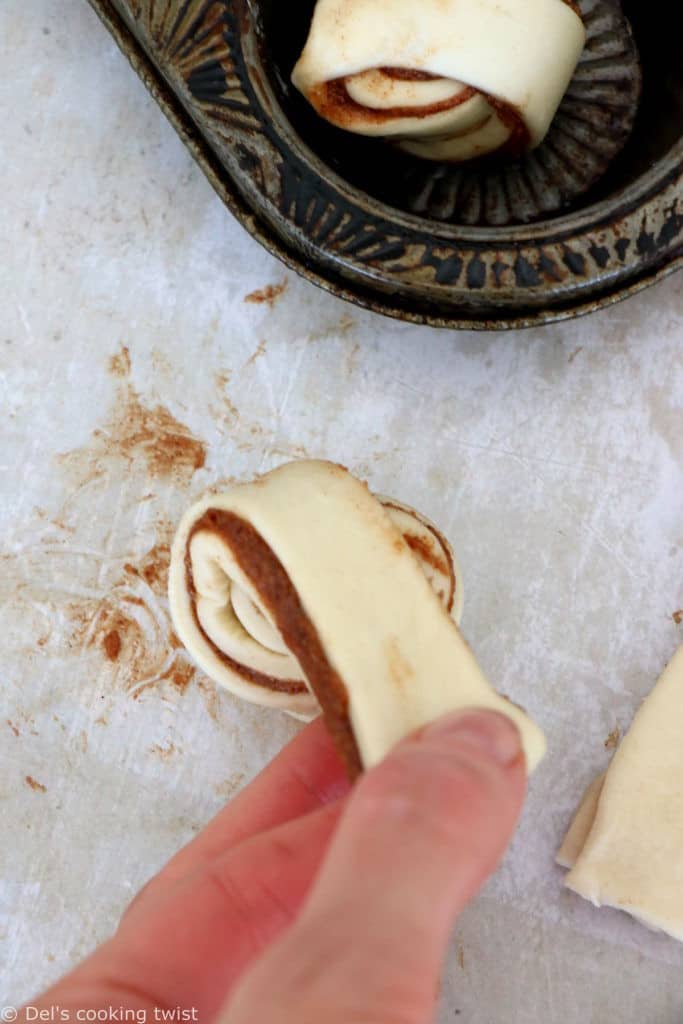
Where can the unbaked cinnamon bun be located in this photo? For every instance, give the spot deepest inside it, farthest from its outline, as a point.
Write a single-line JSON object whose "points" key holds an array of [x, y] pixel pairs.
{"points": [[304, 590], [444, 79]]}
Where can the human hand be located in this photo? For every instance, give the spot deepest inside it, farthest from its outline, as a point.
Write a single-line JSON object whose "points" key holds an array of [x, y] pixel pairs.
{"points": [[304, 902]]}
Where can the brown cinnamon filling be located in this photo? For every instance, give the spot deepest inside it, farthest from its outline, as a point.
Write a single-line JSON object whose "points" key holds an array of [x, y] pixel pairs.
{"points": [[424, 550], [408, 75], [518, 138], [430, 554], [333, 102], [293, 686], [272, 583]]}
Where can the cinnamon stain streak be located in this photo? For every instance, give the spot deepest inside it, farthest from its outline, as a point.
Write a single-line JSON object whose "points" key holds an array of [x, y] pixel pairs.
{"points": [[257, 353], [269, 295], [106, 625], [400, 670], [338, 329], [143, 650], [34, 784], [119, 364], [209, 692], [678, 616], [118, 613], [145, 437], [228, 413], [153, 435], [179, 675], [230, 408], [154, 567]]}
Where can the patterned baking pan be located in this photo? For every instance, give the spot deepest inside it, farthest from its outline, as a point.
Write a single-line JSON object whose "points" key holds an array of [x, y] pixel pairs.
{"points": [[426, 250]]}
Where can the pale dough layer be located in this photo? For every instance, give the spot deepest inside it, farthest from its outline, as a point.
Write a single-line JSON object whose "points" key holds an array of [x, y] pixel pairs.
{"points": [[632, 857], [522, 53], [582, 823], [400, 655]]}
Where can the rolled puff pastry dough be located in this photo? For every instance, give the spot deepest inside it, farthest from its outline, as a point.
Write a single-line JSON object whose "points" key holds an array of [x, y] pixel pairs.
{"points": [[333, 598], [446, 79], [625, 845]]}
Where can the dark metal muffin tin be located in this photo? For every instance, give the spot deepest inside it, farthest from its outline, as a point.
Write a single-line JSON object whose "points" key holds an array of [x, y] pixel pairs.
{"points": [[339, 209], [594, 122]]}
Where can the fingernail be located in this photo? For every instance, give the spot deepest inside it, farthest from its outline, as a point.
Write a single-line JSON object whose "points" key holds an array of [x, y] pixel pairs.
{"points": [[488, 731]]}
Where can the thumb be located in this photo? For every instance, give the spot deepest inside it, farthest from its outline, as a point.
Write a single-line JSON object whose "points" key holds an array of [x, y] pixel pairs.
{"points": [[420, 834]]}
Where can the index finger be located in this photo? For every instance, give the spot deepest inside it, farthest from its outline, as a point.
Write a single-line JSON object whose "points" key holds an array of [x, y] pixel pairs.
{"points": [[305, 775]]}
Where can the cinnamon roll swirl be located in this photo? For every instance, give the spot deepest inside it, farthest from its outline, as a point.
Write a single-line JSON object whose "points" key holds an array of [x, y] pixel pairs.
{"points": [[303, 589], [445, 79]]}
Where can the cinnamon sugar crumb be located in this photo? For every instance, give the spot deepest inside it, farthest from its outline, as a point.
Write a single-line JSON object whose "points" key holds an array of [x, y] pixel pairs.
{"points": [[612, 740], [163, 752]]}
